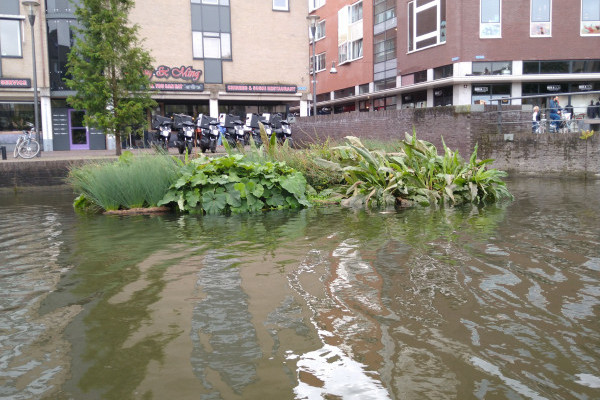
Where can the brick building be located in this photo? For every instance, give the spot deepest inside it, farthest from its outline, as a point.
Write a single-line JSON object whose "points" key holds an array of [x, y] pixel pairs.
{"points": [[210, 56], [423, 53], [232, 56]]}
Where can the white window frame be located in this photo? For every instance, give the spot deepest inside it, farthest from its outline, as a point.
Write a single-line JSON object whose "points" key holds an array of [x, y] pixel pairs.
{"points": [[201, 39], [589, 25], [490, 29], [315, 4], [19, 35], [437, 33], [541, 28], [321, 63], [320, 31], [349, 31], [284, 7], [352, 9]]}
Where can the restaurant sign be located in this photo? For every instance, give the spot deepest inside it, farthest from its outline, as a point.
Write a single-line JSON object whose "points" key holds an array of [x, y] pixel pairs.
{"points": [[187, 73], [11, 83], [178, 86], [247, 88]]}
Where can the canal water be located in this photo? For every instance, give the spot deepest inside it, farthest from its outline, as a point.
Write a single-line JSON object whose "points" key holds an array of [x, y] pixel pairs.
{"points": [[499, 302]]}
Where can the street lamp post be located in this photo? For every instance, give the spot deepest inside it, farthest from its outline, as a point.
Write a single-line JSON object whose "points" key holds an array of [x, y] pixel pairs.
{"points": [[32, 7], [312, 21]]}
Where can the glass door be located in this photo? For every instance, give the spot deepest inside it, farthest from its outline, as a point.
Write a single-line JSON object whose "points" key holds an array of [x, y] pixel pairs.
{"points": [[78, 132]]}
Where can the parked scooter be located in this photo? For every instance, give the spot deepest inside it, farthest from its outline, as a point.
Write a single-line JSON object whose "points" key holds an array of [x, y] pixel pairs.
{"points": [[163, 126], [234, 130], [253, 122], [282, 129], [207, 129], [185, 132]]}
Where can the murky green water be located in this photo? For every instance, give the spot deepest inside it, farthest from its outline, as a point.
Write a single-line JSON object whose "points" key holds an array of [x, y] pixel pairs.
{"points": [[501, 302]]}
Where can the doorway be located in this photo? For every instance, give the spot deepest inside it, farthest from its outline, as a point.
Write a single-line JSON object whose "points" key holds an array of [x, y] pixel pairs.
{"points": [[78, 132]]}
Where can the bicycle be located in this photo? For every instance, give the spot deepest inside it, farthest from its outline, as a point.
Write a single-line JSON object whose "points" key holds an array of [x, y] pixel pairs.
{"points": [[27, 146]]}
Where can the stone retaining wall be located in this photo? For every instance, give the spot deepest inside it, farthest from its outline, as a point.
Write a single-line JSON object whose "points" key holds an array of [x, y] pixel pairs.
{"points": [[511, 143]]}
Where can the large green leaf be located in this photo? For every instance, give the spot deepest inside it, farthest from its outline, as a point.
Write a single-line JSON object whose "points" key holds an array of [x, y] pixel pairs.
{"points": [[294, 183], [214, 202]]}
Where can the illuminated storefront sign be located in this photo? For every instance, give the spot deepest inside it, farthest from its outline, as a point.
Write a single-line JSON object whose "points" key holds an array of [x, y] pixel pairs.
{"points": [[187, 73], [15, 83], [247, 88], [176, 86]]}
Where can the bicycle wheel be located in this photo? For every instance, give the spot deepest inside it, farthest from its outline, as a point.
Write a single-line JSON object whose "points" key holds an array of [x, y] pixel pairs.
{"points": [[17, 145], [29, 148]]}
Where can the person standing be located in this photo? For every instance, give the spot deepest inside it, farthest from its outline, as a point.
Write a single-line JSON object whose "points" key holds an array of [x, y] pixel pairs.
{"points": [[535, 123]]}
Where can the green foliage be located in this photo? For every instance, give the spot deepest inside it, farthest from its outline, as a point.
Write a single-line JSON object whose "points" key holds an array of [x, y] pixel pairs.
{"points": [[585, 135], [107, 65], [131, 182], [416, 174], [234, 183]]}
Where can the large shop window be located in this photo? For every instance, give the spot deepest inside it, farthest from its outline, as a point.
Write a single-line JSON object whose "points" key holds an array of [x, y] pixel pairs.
{"points": [[426, 24], [590, 17], [490, 21], [490, 94], [350, 33], [13, 116], [541, 18], [492, 68]]}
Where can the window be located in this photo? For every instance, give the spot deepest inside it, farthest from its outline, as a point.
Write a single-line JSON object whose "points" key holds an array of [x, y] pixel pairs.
{"points": [[350, 33], [384, 10], [214, 2], [426, 24], [211, 45], [314, 4], [10, 37], [561, 67], [211, 29], [490, 25], [320, 58], [445, 71], [356, 12], [384, 48], [492, 68], [356, 49], [541, 23], [9, 7], [320, 32], [281, 5], [590, 17]]}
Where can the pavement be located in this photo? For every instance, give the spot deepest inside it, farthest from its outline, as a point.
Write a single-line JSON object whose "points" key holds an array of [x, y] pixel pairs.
{"points": [[73, 155]]}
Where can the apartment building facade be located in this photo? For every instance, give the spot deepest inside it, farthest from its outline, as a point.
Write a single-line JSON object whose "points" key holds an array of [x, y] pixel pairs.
{"points": [[210, 57], [424, 53]]}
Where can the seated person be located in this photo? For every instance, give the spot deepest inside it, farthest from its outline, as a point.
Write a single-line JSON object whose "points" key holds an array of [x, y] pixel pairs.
{"points": [[555, 111]]}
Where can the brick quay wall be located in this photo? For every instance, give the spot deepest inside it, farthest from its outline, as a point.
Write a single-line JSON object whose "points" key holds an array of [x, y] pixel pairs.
{"points": [[510, 143]]}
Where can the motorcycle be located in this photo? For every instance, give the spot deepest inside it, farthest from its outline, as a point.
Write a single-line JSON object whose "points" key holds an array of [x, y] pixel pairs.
{"points": [[253, 122], [185, 132], [282, 129], [234, 130], [208, 131], [163, 127]]}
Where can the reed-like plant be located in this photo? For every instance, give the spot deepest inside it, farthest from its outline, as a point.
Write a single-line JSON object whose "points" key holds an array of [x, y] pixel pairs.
{"points": [[416, 174], [130, 182]]}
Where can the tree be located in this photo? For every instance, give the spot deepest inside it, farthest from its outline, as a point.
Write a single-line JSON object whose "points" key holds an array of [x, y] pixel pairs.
{"points": [[106, 67]]}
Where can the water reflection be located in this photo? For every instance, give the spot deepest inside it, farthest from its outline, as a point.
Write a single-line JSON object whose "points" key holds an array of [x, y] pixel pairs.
{"points": [[494, 302]]}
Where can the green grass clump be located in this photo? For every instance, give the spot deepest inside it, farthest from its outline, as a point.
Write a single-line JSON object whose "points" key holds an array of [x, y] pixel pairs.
{"points": [[130, 182]]}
